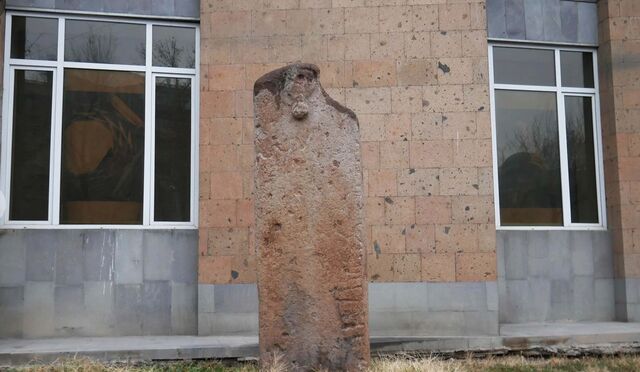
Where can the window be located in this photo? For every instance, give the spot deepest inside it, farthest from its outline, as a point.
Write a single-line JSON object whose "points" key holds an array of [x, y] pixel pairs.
{"points": [[546, 137], [100, 122]]}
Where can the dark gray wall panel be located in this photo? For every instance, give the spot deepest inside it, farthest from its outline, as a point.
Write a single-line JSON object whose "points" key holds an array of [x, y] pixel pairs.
{"points": [[552, 20], [98, 282], [514, 18], [569, 20], [627, 297], [162, 8], [546, 276], [587, 16], [496, 12], [534, 20], [565, 21]]}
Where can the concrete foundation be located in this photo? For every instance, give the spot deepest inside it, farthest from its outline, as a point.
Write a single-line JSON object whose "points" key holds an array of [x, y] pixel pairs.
{"points": [[574, 339]]}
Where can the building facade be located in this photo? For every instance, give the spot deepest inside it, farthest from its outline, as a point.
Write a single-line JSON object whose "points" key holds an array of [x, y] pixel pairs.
{"points": [[500, 145]]}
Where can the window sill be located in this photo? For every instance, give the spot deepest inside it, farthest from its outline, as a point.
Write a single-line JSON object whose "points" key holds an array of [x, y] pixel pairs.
{"points": [[551, 228]]}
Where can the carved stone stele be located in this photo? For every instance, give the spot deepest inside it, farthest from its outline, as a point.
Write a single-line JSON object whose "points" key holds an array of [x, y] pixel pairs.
{"points": [[312, 282]]}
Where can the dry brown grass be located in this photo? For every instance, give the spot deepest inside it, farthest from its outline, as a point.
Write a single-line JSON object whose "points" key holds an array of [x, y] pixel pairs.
{"points": [[409, 363], [394, 363]]}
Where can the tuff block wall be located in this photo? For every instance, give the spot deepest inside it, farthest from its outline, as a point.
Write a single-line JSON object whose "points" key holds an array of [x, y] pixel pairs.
{"points": [[415, 72], [619, 31]]}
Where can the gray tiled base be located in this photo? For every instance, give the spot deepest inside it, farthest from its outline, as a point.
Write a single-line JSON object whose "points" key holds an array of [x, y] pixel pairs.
{"points": [[65, 283], [551, 276], [627, 299], [395, 309]]}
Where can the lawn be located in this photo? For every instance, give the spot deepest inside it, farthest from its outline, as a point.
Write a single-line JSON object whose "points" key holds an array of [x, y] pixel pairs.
{"points": [[402, 363]]}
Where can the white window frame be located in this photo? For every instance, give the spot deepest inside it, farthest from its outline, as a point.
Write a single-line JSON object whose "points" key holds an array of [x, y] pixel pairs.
{"points": [[561, 92], [58, 66]]}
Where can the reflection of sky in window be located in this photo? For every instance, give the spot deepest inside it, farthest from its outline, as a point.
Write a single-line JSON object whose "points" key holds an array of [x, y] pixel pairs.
{"points": [[577, 69], [524, 66], [40, 77], [104, 42], [174, 46], [526, 122], [34, 38]]}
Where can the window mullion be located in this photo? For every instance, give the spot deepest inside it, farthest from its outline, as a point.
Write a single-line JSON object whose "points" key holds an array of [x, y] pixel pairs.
{"points": [[147, 216], [562, 139], [7, 130], [564, 161], [602, 215], [6, 99], [57, 127], [597, 140], [494, 146], [195, 125]]}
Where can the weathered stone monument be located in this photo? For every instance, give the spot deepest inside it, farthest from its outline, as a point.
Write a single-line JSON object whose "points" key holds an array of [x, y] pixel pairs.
{"points": [[309, 225]]}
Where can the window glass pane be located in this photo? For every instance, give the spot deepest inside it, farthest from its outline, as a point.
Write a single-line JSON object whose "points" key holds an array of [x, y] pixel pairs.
{"points": [[524, 66], [582, 163], [104, 42], [528, 158], [174, 46], [31, 145], [34, 38], [102, 147], [577, 69], [172, 201]]}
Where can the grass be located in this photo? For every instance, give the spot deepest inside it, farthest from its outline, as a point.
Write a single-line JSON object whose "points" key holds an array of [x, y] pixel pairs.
{"points": [[397, 363]]}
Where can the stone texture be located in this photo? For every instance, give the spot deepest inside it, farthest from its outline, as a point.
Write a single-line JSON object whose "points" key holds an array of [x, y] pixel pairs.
{"points": [[309, 225], [618, 75], [425, 133]]}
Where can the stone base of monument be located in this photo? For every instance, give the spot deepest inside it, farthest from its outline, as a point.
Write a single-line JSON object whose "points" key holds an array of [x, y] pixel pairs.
{"points": [[312, 283]]}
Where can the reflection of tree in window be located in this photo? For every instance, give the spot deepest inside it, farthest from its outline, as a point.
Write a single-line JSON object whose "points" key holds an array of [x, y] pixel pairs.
{"points": [[167, 52], [581, 157], [539, 137], [104, 42], [529, 175], [174, 46], [34, 38], [97, 48], [528, 158], [31, 145], [173, 149]]}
